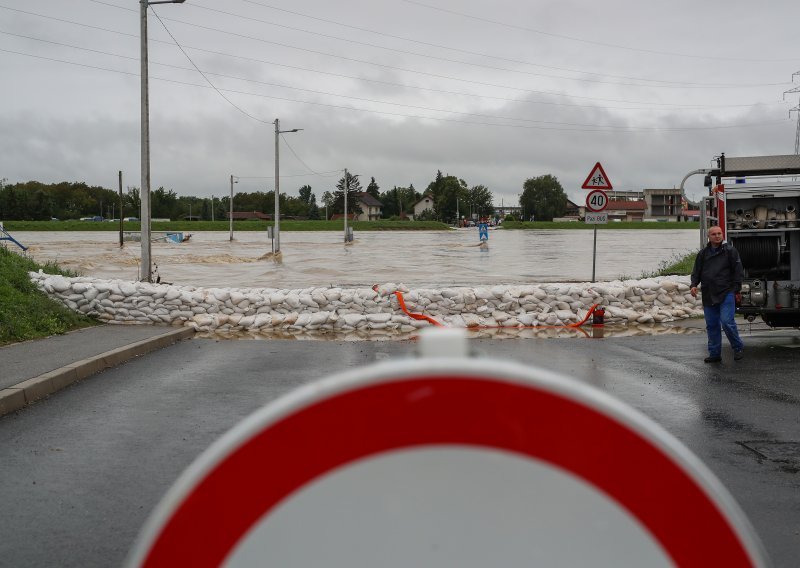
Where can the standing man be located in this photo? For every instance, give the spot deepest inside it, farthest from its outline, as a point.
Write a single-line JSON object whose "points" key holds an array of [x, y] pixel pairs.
{"points": [[718, 271]]}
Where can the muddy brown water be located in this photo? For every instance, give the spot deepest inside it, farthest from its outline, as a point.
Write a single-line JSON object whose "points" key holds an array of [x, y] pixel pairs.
{"points": [[429, 259]]}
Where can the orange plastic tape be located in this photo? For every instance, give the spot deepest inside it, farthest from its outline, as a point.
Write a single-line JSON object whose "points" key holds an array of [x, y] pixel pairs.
{"points": [[402, 303]]}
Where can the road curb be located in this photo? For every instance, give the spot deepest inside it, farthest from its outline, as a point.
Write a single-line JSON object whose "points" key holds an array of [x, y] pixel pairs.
{"points": [[20, 395]]}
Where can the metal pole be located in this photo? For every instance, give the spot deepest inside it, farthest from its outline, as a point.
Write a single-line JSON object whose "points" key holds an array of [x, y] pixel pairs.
{"points": [[594, 252], [230, 216], [277, 220], [346, 189], [144, 216], [120, 209], [212, 208]]}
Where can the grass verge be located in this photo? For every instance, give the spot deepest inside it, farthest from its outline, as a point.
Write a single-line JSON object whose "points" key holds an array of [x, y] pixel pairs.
{"points": [[25, 312]]}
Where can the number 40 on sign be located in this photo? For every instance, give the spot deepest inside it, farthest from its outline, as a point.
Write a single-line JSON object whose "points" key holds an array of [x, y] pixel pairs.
{"points": [[597, 200]]}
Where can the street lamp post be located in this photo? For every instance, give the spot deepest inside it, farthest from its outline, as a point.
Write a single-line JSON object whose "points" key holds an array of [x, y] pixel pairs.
{"points": [[230, 205], [277, 221], [346, 190], [144, 216]]}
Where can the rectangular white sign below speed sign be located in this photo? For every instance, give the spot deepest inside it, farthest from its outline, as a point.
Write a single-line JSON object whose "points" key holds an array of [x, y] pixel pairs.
{"points": [[596, 218]]}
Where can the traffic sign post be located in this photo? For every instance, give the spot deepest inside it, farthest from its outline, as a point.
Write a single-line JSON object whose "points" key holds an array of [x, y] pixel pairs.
{"points": [[596, 201], [447, 461]]}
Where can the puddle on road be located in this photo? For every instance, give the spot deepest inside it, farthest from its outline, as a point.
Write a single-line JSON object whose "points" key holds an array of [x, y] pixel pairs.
{"points": [[586, 332]]}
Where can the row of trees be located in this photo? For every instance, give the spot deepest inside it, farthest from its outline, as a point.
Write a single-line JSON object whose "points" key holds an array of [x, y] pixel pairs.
{"points": [[452, 198]]}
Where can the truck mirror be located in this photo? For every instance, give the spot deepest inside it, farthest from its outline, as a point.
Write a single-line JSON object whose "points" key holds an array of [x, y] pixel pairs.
{"points": [[707, 181]]}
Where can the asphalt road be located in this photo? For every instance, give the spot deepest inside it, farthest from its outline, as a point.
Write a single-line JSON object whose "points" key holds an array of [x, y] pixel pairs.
{"points": [[81, 470]]}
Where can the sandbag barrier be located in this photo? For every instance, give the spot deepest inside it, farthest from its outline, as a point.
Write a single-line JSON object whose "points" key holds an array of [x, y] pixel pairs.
{"points": [[652, 300]]}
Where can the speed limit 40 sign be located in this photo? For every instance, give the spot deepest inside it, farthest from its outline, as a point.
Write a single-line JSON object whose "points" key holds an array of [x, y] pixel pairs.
{"points": [[597, 200]]}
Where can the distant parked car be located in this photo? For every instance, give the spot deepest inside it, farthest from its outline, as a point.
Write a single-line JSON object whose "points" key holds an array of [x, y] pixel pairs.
{"points": [[133, 219], [54, 219], [95, 218]]}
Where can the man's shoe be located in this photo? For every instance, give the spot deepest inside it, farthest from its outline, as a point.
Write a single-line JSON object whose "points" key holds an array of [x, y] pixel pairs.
{"points": [[738, 355], [712, 359]]}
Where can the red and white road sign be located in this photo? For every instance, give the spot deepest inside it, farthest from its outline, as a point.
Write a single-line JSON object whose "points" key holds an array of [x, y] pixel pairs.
{"points": [[596, 200], [447, 462], [597, 179]]}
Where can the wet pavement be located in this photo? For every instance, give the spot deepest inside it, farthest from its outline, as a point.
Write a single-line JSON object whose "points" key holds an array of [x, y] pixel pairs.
{"points": [[82, 469], [28, 359]]}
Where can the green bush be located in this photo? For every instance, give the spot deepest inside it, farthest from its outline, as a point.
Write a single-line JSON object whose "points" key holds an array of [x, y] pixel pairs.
{"points": [[680, 264], [25, 312]]}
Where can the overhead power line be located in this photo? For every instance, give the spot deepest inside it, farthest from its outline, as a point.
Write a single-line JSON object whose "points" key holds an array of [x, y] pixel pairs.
{"points": [[657, 83], [481, 54], [205, 73], [219, 92], [591, 42], [230, 102], [299, 159], [546, 125], [440, 76]]}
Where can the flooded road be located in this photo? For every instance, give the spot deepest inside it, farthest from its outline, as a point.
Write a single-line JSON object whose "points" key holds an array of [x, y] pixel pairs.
{"points": [[415, 258]]}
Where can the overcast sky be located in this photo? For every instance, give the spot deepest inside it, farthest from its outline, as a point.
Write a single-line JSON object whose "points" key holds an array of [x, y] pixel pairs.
{"points": [[492, 92]]}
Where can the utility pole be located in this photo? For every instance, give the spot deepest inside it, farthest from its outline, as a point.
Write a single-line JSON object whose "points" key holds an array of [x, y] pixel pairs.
{"points": [[797, 110], [276, 221], [346, 189], [120, 209], [230, 215], [144, 216], [277, 230], [212, 208], [144, 193]]}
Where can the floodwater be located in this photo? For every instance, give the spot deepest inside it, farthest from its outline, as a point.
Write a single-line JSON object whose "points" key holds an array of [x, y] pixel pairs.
{"points": [[414, 258]]}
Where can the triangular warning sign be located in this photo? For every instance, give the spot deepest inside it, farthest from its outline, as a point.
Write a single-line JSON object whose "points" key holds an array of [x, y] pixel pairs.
{"points": [[597, 179]]}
